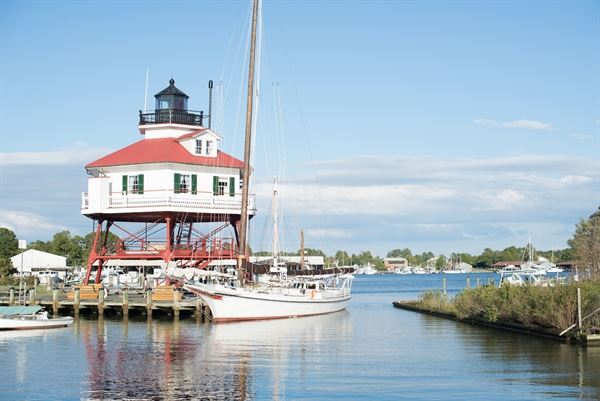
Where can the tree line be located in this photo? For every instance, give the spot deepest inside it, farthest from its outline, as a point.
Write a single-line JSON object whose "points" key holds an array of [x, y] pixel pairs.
{"points": [[583, 247]]}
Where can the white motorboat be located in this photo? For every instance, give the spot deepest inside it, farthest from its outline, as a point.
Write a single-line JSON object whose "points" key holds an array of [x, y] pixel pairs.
{"points": [[29, 318], [529, 277], [369, 269]]}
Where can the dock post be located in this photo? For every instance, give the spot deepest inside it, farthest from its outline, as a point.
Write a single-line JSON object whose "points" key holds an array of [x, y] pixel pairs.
{"points": [[176, 304], [468, 282], [100, 302], [55, 302], [77, 297], [477, 282], [579, 323], [149, 303], [198, 309], [125, 305], [11, 296], [444, 284], [32, 296]]}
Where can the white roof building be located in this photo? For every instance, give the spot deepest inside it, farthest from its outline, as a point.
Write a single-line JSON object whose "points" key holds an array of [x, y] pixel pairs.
{"points": [[33, 260]]}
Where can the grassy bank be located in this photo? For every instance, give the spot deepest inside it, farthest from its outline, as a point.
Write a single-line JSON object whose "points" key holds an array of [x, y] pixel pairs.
{"points": [[551, 308]]}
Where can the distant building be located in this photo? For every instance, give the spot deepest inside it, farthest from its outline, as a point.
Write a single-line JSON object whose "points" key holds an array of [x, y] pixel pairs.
{"points": [[391, 264], [44, 265], [502, 265]]}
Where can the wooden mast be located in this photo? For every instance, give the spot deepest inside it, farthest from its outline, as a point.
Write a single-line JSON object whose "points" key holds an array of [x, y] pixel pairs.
{"points": [[247, 143]]}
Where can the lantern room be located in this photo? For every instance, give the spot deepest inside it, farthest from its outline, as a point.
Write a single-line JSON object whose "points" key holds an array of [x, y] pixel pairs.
{"points": [[171, 98]]}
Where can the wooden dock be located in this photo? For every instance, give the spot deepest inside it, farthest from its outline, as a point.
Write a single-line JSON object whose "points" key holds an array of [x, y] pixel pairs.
{"points": [[92, 300]]}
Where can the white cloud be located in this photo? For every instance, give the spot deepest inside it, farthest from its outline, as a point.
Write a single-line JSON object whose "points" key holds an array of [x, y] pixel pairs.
{"points": [[336, 233], [581, 136], [79, 154], [25, 223], [504, 200], [526, 124], [575, 179]]}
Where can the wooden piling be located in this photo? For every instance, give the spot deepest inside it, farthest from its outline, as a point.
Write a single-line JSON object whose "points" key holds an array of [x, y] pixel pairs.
{"points": [[477, 282], [100, 302], [444, 284], [76, 301], [149, 303], [55, 302], [468, 282], [125, 305], [11, 296], [579, 323], [176, 304], [32, 296]]}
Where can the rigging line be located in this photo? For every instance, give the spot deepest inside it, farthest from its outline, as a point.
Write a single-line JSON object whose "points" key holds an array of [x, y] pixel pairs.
{"points": [[247, 24]]}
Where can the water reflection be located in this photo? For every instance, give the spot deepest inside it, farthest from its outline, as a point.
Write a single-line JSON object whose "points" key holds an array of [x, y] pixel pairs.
{"points": [[560, 370], [186, 360]]}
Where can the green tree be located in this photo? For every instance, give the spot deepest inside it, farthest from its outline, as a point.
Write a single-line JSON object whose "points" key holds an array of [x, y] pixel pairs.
{"points": [[342, 258], [6, 267], [44, 246], [586, 243], [9, 245], [441, 262]]}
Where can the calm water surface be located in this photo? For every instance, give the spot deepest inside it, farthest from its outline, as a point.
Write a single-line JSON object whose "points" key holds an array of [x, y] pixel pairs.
{"points": [[371, 351]]}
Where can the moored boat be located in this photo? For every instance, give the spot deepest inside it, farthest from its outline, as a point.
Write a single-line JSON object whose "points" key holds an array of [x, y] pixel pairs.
{"points": [[273, 299], [29, 318]]}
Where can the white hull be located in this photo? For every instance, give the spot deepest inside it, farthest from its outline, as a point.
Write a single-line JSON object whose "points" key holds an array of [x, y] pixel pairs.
{"points": [[240, 304], [28, 323]]}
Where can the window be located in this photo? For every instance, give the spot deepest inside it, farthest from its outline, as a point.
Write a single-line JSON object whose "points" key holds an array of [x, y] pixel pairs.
{"points": [[222, 186], [133, 184], [198, 146], [185, 183], [209, 147]]}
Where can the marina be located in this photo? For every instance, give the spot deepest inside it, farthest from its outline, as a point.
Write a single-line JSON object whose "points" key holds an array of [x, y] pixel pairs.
{"points": [[371, 348], [335, 214]]}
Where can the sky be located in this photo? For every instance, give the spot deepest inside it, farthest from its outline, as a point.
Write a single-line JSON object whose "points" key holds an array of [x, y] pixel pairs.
{"points": [[437, 126]]}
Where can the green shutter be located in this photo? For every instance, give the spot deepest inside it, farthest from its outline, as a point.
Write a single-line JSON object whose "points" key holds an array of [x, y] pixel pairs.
{"points": [[194, 184], [176, 182], [141, 184], [124, 184], [231, 186], [215, 185]]}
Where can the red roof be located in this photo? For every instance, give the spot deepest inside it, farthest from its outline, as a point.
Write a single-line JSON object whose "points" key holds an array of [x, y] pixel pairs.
{"points": [[163, 150]]}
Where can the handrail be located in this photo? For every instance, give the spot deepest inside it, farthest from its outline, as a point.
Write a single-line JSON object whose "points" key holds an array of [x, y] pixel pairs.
{"points": [[176, 116]]}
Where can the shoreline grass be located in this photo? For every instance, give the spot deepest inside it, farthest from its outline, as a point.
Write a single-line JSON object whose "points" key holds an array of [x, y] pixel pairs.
{"points": [[549, 308]]}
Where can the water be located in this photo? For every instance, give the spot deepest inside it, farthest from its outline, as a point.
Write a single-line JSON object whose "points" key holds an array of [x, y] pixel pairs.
{"points": [[371, 351]]}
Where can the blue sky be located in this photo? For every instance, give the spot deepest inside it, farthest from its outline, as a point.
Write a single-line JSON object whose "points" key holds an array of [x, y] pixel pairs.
{"points": [[442, 126]]}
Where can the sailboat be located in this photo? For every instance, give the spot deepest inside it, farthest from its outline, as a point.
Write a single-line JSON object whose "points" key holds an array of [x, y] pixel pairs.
{"points": [[272, 292]]}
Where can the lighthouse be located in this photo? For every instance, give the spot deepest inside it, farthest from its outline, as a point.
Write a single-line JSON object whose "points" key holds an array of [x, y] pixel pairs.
{"points": [[169, 195]]}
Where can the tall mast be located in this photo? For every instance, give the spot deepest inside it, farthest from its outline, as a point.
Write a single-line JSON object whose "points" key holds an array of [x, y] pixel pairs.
{"points": [[247, 143]]}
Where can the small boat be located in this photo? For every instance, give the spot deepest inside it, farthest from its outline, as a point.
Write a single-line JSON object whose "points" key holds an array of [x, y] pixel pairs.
{"points": [[529, 277], [29, 317]]}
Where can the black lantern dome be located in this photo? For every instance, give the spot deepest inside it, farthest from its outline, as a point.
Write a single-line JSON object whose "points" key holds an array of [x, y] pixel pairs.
{"points": [[172, 107], [171, 98]]}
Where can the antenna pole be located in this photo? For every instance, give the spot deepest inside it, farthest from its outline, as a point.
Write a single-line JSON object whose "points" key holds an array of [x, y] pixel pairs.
{"points": [[247, 144], [146, 93], [210, 88], [302, 250]]}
